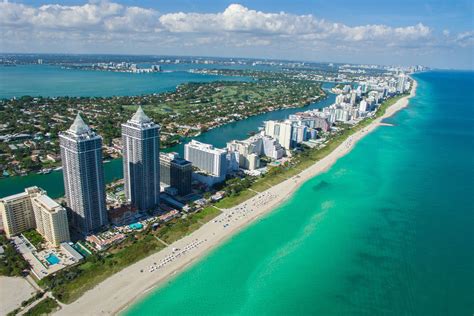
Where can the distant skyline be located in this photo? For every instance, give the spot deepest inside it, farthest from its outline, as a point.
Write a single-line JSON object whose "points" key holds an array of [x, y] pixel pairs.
{"points": [[433, 33]]}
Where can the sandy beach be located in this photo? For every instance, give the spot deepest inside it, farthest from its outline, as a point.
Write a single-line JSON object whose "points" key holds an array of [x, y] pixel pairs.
{"points": [[13, 291], [116, 293]]}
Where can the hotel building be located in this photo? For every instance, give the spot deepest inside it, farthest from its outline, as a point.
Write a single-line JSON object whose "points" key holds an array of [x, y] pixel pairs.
{"points": [[282, 131], [207, 158], [34, 209], [17, 212], [51, 219]]}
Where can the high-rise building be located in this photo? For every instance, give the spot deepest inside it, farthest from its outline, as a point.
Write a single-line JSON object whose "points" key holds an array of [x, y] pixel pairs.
{"points": [[34, 209], [249, 151], [207, 158], [81, 154], [233, 158], [299, 134], [340, 98], [51, 219], [17, 212], [281, 131], [272, 148], [310, 120], [401, 80], [141, 161], [363, 106], [353, 98], [176, 172]]}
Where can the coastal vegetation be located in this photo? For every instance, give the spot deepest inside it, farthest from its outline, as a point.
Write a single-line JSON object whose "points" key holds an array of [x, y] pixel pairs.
{"points": [[180, 227], [45, 307], [11, 262], [314, 72], [24, 305]]}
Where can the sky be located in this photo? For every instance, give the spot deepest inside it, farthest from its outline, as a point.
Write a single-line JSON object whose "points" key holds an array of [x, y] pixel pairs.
{"points": [[434, 33]]}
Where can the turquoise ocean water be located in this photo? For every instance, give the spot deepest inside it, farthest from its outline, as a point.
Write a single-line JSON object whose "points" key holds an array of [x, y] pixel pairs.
{"points": [[388, 230], [52, 81]]}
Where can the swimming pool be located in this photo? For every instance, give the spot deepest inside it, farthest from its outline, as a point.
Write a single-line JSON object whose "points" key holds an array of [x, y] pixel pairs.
{"points": [[136, 226], [52, 259]]}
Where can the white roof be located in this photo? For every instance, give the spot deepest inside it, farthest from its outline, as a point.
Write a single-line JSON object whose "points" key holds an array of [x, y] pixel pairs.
{"points": [[140, 117], [79, 126], [14, 197], [48, 202]]}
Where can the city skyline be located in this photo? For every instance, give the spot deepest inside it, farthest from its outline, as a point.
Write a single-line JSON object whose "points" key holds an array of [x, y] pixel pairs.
{"points": [[439, 34]]}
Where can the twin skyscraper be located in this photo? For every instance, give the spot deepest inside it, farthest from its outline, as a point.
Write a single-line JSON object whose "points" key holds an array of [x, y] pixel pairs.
{"points": [[141, 161], [81, 154]]}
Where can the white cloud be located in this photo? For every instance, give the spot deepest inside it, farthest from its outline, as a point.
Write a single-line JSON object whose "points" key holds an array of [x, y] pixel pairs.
{"points": [[239, 19], [99, 16], [109, 25], [465, 39], [134, 19]]}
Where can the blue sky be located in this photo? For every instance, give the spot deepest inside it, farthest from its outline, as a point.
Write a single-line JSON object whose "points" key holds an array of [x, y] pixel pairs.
{"points": [[434, 33]]}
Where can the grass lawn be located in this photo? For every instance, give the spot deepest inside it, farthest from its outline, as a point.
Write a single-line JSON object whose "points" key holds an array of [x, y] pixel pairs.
{"points": [[293, 171], [231, 201], [207, 213], [275, 179], [34, 237], [44, 307], [260, 185], [178, 228]]}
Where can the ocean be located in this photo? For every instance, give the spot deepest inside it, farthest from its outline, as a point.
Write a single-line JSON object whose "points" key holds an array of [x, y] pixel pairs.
{"points": [[388, 230]]}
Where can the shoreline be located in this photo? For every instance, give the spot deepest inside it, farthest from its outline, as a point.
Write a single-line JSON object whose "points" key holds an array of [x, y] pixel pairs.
{"points": [[125, 288]]}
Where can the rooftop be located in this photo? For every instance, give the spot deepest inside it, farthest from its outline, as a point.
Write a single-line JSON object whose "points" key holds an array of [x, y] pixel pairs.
{"points": [[48, 203], [79, 127], [28, 191], [140, 117]]}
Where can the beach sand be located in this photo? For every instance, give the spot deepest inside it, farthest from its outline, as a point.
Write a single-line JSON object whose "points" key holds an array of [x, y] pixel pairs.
{"points": [[117, 292], [13, 291]]}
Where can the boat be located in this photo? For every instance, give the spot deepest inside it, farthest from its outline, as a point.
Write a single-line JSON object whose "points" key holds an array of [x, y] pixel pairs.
{"points": [[58, 168]]}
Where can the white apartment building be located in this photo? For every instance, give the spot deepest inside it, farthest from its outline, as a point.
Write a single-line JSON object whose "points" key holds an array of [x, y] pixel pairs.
{"points": [[34, 209], [17, 212], [51, 219], [207, 158], [281, 131]]}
